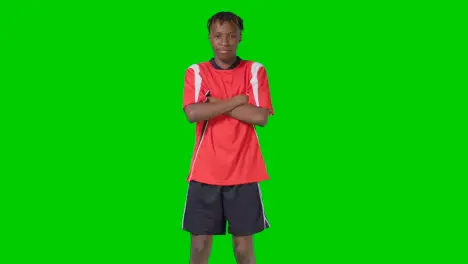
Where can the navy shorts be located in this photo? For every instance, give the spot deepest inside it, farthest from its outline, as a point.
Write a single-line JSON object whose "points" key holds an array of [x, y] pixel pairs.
{"points": [[210, 208]]}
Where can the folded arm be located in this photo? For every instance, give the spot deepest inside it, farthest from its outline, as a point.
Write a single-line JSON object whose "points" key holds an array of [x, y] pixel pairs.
{"points": [[246, 113], [250, 114], [203, 111]]}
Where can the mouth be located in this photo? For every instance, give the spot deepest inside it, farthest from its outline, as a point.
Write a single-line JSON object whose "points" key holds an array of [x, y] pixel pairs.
{"points": [[224, 51]]}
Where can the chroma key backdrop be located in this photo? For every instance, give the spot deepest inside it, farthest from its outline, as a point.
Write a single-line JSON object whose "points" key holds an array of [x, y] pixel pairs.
{"points": [[96, 148]]}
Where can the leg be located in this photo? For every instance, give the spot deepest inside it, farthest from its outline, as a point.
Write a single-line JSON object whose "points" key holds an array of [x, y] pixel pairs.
{"points": [[244, 210], [243, 249], [200, 249], [203, 218]]}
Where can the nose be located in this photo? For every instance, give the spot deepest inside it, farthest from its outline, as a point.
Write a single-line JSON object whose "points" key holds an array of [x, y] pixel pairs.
{"points": [[225, 41]]}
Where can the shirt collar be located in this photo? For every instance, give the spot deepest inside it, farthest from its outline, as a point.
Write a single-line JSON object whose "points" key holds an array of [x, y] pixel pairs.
{"points": [[234, 65]]}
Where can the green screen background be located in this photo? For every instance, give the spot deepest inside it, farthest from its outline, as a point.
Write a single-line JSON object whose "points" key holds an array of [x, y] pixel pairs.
{"points": [[97, 148]]}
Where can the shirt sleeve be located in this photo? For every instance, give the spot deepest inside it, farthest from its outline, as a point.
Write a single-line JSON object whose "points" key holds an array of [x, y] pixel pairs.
{"points": [[192, 86], [260, 94]]}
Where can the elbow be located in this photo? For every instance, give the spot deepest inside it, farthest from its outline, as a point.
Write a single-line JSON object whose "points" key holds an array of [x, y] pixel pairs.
{"points": [[191, 115], [191, 118], [261, 120]]}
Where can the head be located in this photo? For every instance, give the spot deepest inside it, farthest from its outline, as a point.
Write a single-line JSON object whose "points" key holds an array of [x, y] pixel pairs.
{"points": [[225, 33]]}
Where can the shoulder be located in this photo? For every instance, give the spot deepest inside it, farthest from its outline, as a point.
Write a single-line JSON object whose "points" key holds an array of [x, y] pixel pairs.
{"points": [[256, 69], [197, 67], [254, 66], [251, 63]]}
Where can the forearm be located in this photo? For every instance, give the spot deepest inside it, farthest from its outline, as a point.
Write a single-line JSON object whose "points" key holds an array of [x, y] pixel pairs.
{"points": [[205, 111], [250, 114]]}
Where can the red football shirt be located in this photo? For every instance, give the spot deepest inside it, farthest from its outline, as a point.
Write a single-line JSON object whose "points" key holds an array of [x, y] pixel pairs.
{"points": [[227, 151]]}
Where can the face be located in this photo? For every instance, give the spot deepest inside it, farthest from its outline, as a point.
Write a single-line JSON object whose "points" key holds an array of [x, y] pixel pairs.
{"points": [[224, 38]]}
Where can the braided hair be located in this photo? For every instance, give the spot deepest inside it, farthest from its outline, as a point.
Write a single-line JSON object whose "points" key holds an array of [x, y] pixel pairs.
{"points": [[226, 17]]}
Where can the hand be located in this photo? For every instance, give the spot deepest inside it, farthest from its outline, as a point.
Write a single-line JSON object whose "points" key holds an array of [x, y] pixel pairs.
{"points": [[212, 99], [241, 99]]}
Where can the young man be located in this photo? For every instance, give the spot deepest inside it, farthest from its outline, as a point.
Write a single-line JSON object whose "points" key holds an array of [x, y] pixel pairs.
{"points": [[227, 97]]}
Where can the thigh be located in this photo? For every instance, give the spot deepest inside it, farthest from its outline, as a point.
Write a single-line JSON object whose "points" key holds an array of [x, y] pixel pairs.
{"points": [[203, 213], [244, 211]]}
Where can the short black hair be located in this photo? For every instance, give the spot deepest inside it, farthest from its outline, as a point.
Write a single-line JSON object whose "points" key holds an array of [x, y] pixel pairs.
{"points": [[226, 17]]}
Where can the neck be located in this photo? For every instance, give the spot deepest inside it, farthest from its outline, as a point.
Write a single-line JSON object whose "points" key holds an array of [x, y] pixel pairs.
{"points": [[225, 63]]}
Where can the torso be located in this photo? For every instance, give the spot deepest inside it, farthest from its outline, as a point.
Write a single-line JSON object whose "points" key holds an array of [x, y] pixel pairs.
{"points": [[227, 151]]}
